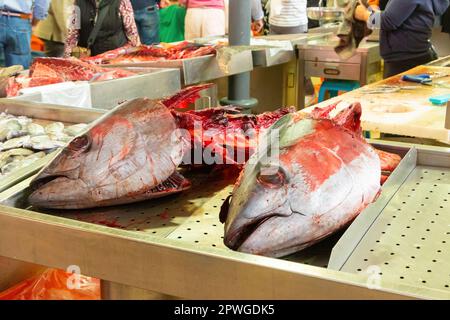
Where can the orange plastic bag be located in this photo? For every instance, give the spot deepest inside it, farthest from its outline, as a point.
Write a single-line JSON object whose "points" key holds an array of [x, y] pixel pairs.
{"points": [[55, 284], [37, 44]]}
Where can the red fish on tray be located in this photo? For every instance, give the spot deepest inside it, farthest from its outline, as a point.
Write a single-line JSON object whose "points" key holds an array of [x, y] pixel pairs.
{"points": [[45, 71], [143, 53]]}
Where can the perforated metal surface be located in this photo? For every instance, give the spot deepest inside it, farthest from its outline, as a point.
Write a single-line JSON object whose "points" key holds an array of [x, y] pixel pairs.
{"points": [[191, 217], [409, 243]]}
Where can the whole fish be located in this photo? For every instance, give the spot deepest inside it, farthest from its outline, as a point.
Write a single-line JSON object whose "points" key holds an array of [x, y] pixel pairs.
{"points": [[325, 175], [132, 153]]}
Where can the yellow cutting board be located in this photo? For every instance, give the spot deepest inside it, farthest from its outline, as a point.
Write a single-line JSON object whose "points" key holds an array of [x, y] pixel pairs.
{"points": [[405, 112]]}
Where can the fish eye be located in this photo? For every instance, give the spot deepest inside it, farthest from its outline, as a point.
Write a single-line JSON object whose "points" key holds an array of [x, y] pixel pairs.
{"points": [[272, 177], [80, 144]]}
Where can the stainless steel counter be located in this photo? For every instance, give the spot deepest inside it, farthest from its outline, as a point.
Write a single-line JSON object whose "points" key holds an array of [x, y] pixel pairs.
{"points": [[317, 58], [442, 62], [273, 57], [174, 246], [149, 82], [200, 69]]}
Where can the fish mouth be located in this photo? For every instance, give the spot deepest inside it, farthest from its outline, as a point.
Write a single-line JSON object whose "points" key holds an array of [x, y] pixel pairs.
{"points": [[235, 238]]}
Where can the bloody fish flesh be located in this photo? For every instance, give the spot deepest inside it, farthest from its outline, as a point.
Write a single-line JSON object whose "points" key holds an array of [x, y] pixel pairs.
{"points": [[143, 53], [45, 71]]}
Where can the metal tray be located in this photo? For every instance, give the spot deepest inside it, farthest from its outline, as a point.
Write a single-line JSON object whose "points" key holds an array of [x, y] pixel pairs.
{"points": [[150, 82], [325, 14], [43, 113], [174, 246], [199, 69], [272, 57], [404, 237]]}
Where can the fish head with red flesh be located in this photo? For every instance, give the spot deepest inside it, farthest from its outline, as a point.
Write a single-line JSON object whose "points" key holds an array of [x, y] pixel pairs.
{"points": [[118, 160], [323, 175]]}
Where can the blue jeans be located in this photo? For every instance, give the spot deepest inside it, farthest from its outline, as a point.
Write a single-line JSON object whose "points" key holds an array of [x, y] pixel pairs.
{"points": [[15, 41], [147, 22]]}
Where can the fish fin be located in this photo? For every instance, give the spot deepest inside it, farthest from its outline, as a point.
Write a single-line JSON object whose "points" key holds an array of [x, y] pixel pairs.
{"points": [[183, 98], [224, 210], [350, 118], [323, 113]]}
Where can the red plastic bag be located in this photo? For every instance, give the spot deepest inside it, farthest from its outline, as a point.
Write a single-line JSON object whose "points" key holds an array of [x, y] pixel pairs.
{"points": [[54, 284]]}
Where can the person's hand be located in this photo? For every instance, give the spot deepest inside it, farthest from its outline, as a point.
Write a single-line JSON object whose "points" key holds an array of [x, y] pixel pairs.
{"points": [[257, 26], [361, 13], [164, 3], [34, 22]]}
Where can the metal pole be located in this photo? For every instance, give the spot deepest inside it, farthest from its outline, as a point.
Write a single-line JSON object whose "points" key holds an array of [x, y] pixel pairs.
{"points": [[239, 34]]}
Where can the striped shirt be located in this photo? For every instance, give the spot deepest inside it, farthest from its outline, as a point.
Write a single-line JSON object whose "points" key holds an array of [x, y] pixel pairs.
{"points": [[288, 13]]}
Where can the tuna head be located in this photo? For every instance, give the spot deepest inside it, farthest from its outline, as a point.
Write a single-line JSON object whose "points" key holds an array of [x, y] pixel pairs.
{"points": [[123, 155], [323, 176]]}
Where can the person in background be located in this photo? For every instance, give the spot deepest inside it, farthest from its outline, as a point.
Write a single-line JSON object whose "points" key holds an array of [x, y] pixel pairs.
{"points": [[147, 20], [114, 21], [204, 18], [16, 20], [257, 12], [171, 15], [288, 17], [53, 30], [405, 32], [257, 17], [382, 4], [445, 21]]}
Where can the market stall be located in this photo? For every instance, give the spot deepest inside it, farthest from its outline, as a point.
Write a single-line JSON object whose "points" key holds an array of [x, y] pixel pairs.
{"points": [[111, 167], [132, 247], [402, 107]]}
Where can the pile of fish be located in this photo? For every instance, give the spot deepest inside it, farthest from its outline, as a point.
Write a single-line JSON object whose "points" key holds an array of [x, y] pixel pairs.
{"points": [[23, 142], [45, 71], [143, 53]]}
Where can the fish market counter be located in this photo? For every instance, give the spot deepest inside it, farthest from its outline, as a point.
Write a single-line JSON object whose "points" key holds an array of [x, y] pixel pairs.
{"points": [[148, 82], [403, 108], [203, 68], [173, 246]]}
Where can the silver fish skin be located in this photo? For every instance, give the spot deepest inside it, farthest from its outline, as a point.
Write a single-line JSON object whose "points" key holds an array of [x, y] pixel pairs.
{"points": [[120, 159]]}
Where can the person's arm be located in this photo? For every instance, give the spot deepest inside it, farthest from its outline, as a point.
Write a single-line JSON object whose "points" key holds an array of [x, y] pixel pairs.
{"points": [[390, 19], [396, 14], [73, 33], [257, 16], [127, 14], [40, 10]]}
